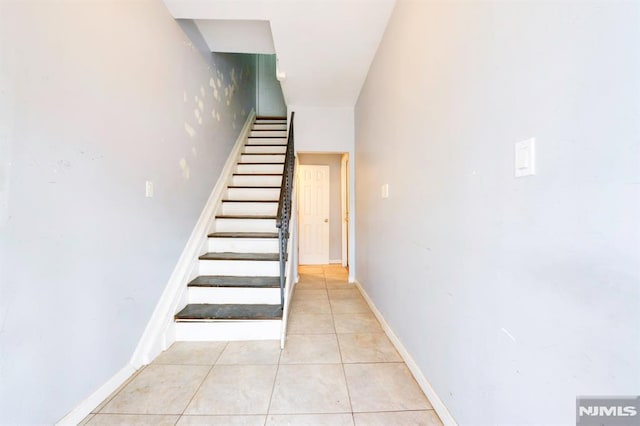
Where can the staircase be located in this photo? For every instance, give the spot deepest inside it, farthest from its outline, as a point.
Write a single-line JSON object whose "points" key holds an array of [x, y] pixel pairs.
{"points": [[236, 294]]}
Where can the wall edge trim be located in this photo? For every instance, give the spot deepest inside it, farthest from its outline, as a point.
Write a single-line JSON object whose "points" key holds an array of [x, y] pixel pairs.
{"points": [[83, 409], [429, 391]]}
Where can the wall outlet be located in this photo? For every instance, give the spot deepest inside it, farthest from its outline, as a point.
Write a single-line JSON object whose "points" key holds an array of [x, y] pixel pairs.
{"points": [[148, 189]]}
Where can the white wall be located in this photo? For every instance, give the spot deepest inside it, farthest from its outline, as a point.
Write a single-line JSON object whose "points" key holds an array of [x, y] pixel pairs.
{"points": [[96, 98], [462, 255], [335, 191], [270, 101]]}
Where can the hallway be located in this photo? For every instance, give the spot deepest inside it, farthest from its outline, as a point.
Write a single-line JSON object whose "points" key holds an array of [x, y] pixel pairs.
{"points": [[338, 368]]}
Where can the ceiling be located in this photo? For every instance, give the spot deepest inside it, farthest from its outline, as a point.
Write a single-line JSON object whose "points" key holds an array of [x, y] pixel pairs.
{"points": [[324, 47], [237, 36]]}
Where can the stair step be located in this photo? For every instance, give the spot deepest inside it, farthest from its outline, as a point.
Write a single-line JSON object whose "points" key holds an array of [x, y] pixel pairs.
{"points": [[271, 117], [226, 312], [279, 141], [268, 133], [269, 126], [252, 194], [265, 149], [243, 235], [244, 216], [249, 208], [248, 179], [258, 163], [244, 223], [232, 281], [228, 200], [259, 168], [267, 138], [268, 257], [260, 158], [255, 186], [238, 240]]}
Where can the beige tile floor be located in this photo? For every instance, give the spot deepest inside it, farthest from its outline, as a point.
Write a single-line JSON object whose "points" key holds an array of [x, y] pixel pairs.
{"points": [[338, 368]]}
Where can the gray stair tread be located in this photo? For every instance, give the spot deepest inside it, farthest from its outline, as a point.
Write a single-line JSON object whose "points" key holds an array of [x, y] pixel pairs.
{"points": [[265, 144], [243, 235], [249, 201], [240, 256], [260, 163], [257, 174], [243, 216], [203, 312], [229, 281], [254, 187]]}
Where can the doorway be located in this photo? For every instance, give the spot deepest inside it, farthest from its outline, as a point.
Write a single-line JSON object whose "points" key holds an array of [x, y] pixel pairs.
{"points": [[327, 243]]}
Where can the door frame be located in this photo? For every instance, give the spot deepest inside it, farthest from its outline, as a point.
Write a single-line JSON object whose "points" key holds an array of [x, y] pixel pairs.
{"points": [[344, 199]]}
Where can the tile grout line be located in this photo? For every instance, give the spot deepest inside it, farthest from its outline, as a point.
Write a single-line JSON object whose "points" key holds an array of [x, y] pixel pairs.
{"points": [[201, 383], [344, 373], [273, 386]]}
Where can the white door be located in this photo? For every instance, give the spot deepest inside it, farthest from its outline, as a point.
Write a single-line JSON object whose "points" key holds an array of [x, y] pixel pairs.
{"points": [[313, 214]]}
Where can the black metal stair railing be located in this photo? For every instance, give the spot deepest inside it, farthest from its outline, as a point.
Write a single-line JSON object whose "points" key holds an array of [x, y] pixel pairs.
{"points": [[284, 206]]}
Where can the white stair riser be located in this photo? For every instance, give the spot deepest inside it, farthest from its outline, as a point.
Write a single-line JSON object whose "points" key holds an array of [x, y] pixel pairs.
{"points": [[245, 225], [239, 268], [234, 295], [257, 209], [269, 126], [262, 158], [253, 193], [267, 141], [227, 330], [271, 120], [257, 180], [267, 133], [243, 245], [259, 168], [271, 149]]}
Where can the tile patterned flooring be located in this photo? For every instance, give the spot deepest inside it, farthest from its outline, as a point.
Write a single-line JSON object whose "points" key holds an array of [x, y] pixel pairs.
{"points": [[338, 368]]}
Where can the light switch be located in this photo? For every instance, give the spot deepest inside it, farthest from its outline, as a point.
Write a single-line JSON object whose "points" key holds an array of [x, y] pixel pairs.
{"points": [[525, 158], [148, 189], [384, 191]]}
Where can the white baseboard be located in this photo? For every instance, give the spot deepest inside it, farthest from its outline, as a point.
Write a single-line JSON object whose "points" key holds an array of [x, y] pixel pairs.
{"points": [[157, 335], [84, 408], [335, 261], [436, 402]]}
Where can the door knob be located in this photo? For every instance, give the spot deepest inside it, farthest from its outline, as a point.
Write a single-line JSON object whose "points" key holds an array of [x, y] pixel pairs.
{"points": [[326, 221]]}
